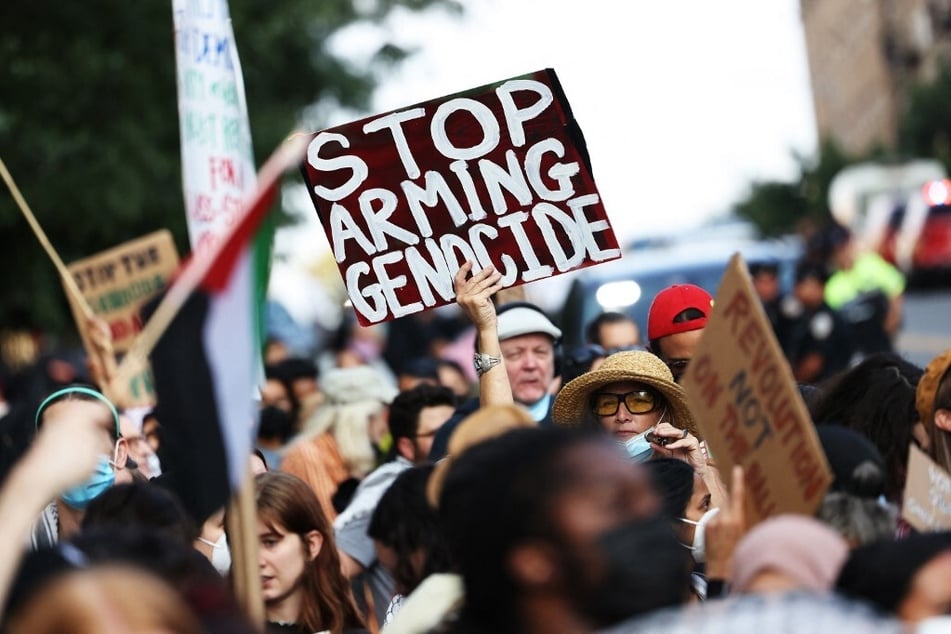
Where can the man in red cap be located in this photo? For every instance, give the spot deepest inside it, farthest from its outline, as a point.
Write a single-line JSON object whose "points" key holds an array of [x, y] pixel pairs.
{"points": [[675, 322]]}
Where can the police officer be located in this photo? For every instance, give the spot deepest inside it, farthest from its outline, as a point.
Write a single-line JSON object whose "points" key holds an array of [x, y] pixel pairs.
{"points": [[814, 337]]}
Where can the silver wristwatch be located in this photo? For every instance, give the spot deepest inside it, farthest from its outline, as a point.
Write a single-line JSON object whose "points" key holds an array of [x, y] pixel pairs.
{"points": [[484, 362]]}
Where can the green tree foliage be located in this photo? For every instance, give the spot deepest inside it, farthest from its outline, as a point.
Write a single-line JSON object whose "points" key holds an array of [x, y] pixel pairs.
{"points": [[925, 129], [89, 119], [778, 208]]}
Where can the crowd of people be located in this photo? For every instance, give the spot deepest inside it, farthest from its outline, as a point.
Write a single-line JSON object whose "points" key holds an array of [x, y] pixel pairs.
{"points": [[540, 490]]}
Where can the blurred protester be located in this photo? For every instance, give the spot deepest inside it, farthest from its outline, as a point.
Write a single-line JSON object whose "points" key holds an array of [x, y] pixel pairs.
{"points": [[275, 429], [106, 599], [613, 331], [62, 517], [303, 588], [787, 553], [515, 352], [354, 345], [424, 334], [141, 504], [277, 392], [580, 359], [814, 337], [855, 505], [867, 290], [212, 542], [32, 482], [406, 534], [150, 429], [687, 503], [346, 437], [415, 371], [933, 402], [454, 377], [140, 451], [766, 283], [414, 417], [877, 399], [675, 322], [909, 578], [633, 397], [567, 538], [300, 376]]}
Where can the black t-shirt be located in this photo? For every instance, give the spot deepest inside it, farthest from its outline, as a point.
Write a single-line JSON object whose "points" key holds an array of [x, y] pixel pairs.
{"points": [[820, 331]]}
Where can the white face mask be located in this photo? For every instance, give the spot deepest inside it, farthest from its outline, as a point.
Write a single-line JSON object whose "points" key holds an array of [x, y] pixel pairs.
{"points": [[153, 465], [698, 548], [220, 554]]}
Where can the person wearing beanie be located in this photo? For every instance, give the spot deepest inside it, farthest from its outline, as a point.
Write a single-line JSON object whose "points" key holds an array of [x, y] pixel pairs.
{"points": [[675, 322], [933, 402], [787, 553]]}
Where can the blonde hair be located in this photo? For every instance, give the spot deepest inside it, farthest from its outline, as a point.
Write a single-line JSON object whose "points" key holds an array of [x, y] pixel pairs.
{"points": [[349, 423], [108, 598]]}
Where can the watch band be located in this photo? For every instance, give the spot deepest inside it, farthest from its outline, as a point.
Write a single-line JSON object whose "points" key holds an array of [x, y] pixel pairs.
{"points": [[484, 362]]}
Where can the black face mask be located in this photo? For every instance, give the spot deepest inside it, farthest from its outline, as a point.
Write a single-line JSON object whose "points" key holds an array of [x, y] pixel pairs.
{"points": [[645, 569]]}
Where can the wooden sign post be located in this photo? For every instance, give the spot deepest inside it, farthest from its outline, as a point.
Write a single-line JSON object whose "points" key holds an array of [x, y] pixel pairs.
{"points": [[743, 394], [498, 175]]}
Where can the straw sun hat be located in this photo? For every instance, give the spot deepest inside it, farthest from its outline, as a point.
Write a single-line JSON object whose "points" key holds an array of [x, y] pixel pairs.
{"points": [[573, 401]]}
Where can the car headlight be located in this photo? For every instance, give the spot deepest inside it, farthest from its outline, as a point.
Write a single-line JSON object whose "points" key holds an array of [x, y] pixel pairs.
{"points": [[613, 295]]}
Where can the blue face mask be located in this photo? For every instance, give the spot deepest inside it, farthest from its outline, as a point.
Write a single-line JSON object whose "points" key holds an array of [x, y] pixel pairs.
{"points": [[101, 479], [638, 449]]}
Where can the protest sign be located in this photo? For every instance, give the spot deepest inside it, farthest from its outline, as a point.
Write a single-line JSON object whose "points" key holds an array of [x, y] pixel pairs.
{"points": [[217, 161], [927, 501], [742, 391], [118, 282], [498, 175]]}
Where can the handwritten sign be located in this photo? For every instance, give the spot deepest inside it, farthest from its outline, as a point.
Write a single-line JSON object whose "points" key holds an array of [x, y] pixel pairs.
{"points": [[498, 175], [742, 391], [927, 501], [117, 283], [217, 161]]}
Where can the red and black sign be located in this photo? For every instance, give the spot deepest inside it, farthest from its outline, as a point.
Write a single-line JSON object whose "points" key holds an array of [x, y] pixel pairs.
{"points": [[498, 175]]}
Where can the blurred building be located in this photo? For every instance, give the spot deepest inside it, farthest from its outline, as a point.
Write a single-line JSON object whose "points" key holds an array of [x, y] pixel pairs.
{"points": [[864, 55]]}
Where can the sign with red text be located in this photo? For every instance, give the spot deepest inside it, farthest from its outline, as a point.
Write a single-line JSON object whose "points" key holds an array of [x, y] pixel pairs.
{"points": [[118, 282], [926, 504], [498, 175], [743, 394], [217, 161]]}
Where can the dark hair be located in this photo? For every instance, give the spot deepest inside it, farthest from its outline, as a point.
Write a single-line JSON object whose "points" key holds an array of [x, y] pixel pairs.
{"points": [[673, 481], [275, 423], [498, 494], [877, 399], [807, 269], [404, 410], [294, 368], [882, 572], [285, 501], [141, 504], [275, 372], [593, 329], [404, 521], [421, 368], [81, 393]]}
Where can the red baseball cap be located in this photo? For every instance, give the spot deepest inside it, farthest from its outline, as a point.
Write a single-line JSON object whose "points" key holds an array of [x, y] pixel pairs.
{"points": [[672, 301]]}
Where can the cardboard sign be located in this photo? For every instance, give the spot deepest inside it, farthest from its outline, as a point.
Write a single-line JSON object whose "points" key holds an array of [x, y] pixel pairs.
{"points": [[497, 175], [742, 392], [118, 282], [927, 502]]}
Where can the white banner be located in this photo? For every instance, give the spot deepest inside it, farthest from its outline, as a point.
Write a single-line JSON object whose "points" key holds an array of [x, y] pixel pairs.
{"points": [[217, 160]]}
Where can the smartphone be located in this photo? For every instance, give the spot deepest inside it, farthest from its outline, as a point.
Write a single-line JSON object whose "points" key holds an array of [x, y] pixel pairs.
{"points": [[658, 440]]}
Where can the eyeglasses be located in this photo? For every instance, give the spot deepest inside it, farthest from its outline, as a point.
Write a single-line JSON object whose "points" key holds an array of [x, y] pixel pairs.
{"points": [[636, 402]]}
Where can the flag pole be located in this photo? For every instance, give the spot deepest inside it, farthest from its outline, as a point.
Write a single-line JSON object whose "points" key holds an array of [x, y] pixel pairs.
{"points": [[243, 543], [286, 155], [68, 280]]}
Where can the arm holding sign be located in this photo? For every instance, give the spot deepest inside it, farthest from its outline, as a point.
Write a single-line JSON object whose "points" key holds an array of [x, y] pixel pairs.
{"points": [[474, 296]]}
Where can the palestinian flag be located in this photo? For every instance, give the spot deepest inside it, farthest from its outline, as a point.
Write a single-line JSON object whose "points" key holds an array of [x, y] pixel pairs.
{"points": [[206, 364]]}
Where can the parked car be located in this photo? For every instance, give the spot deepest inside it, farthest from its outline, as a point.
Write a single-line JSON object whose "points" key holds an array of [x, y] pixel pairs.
{"points": [[930, 255], [629, 285]]}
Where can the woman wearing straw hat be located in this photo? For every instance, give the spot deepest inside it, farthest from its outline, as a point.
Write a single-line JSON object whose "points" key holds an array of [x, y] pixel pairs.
{"points": [[633, 397]]}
